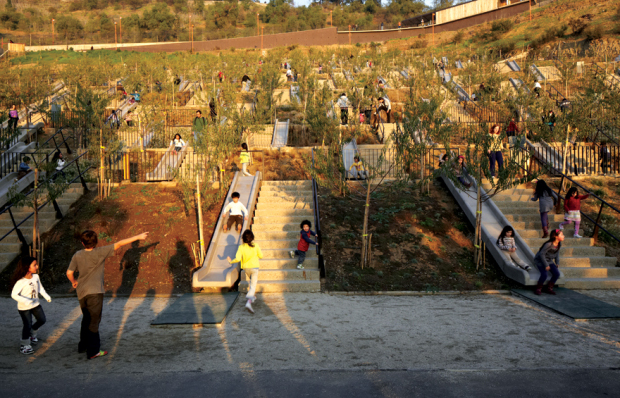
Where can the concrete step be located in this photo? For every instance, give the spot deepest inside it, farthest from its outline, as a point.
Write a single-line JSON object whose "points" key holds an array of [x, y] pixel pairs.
{"points": [[504, 205], [306, 274], [592, 272], [515, 191], [44, 224], [6, 258], [585, 262], [281, 219], [288, 195], [278, 244], [286, 189], [278, 254], [290, 183], [263, 236], [283, 199], [275, 227], [288, 263], [533, 233], [286, 205], [268, 286], [288, 212], [9, 247], [512, 198], [533, 217], [592, 283], [44, 214], [12, 238], [538, 242], [582, 251]]}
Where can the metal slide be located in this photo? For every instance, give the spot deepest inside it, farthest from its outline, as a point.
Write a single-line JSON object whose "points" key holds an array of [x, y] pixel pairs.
{"points": [[280, 134], [493, 221], [216, 271], [444, 60], [518, 84], [384, 82], [294, 94], [168, 163], [514, 66], [537, 73], [459, 65], [349, 151]]}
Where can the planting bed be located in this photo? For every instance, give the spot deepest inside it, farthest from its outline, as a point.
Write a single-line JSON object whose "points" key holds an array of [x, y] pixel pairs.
{"points": [[419, 243], [162, 264]]}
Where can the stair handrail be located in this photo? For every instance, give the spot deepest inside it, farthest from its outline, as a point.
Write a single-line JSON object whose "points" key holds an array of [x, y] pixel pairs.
{"points": [[64, 140], [56, 207], [317, 221], [604, 72], [596, 222]]}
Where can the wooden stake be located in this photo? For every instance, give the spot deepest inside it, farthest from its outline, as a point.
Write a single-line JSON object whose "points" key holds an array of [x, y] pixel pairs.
{"points": [[200, 225], [365, 229]]}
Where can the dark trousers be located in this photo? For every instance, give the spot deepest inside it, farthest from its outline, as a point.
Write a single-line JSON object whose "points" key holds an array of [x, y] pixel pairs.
{"points": [[544, 219], [27, 315], [92, 306], [493, 157], [13, 122], [301, 255], [555, 273], [234, 220], [344, 116]]}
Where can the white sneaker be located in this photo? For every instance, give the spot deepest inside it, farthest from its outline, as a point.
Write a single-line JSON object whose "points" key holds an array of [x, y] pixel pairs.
{"points": [[26, 350], [292, 254], [248, 306], [33, 340], [577, 236], [300, 266]]}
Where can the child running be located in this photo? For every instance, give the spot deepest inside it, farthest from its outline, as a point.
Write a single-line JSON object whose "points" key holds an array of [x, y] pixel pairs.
{"points": [[245, 159], [237, 210], [506, 243], [26, 289], [546, 201], [572, 209], [304, 243], [548, 259], [248, 255]]}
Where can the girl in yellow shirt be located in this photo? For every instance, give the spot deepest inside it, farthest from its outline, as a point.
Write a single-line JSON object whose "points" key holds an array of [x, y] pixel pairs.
{"points": [[248, 254]]}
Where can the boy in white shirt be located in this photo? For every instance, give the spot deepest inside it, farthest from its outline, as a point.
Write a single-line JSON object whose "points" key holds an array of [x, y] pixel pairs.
{"points": [[237, 210]]}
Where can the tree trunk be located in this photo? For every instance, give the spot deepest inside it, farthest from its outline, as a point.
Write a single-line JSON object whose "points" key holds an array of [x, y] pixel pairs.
{"points": [[35, 228], [200, 226], [365, 247]]}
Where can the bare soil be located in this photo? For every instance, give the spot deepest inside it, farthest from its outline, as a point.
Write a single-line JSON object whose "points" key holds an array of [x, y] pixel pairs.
{"points": [[162, 264], [419, 243]]}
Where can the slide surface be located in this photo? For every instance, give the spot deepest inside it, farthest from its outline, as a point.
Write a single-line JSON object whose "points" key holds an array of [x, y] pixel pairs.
{"points": [[216, 271]]}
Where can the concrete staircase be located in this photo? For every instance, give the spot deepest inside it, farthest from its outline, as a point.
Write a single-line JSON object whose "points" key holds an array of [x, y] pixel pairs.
{"points": [[10, 246], [584, 265], [281, 207]]}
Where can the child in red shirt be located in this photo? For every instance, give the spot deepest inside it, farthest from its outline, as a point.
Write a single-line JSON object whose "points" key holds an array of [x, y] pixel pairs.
{"points": [[304, 243], [572, 209]]}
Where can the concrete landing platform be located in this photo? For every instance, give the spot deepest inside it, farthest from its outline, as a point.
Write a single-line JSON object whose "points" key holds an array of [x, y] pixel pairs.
{"points": [[572, 304], [197, 309]]}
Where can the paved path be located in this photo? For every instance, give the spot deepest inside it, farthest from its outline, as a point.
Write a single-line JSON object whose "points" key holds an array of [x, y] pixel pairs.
{"points": [[292, 336]]}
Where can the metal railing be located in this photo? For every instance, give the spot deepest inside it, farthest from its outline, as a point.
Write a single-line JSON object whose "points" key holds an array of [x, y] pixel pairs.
{"points": [[59, 214], [544, 168], [580, 160]]}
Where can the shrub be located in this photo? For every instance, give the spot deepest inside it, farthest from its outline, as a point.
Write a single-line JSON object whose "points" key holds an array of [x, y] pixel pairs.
{"points": [[599, 192], [577, 25], [506, 46], [502, 26], [418, 44], [458, 37], [548, 36], [594, 32]]}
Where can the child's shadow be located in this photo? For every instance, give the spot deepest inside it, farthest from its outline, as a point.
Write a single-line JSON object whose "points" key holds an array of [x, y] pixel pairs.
{"points": [[130, 265]]}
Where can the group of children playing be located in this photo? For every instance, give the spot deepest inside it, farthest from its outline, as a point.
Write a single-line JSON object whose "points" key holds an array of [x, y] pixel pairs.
{"points": [[547, 258]]}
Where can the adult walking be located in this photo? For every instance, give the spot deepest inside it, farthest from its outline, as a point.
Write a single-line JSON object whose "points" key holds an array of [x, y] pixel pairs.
{"points": [[495, 150], [89, 263], [199, 124], [512, 131], [548, 260]]}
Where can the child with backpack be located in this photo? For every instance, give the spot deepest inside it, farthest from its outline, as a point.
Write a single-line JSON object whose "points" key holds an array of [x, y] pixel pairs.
{"points": [[26, 289], [304, 243], [572, 209], [248, 255], [506, 243]]}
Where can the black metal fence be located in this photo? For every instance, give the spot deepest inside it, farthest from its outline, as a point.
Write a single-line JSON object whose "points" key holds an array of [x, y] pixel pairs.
{"points": [[580, 160]]}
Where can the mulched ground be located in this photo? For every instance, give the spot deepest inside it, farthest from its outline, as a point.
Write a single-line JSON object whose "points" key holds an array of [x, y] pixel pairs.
{"points": [[420, 242], [162, 264]]}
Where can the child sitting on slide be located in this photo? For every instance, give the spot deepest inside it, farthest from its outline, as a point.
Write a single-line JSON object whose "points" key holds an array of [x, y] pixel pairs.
{"points": [[237, 210], [359, 168], [506, 243]]}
